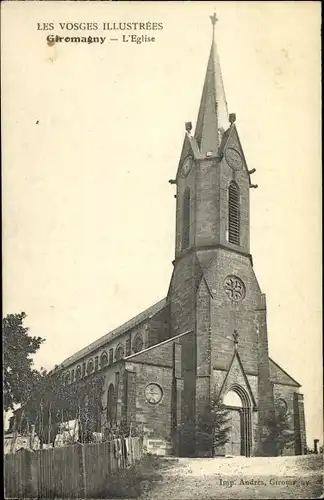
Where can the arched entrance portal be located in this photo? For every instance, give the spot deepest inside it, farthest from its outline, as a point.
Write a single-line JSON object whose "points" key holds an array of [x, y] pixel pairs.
{"points": [[238, 403]]}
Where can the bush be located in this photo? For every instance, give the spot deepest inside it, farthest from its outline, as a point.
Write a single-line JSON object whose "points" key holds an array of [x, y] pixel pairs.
{"points": [[138, 479]]}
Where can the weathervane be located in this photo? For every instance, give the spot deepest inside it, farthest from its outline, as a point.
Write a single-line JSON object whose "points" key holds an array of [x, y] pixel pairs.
{"points": [[214, 20], [235, 338]]}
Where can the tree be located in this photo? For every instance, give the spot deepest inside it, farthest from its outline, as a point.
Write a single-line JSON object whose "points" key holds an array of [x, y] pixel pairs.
{"points": [[46, 401], [278, 431], [18, 373], [212, 431], [53, 403]]}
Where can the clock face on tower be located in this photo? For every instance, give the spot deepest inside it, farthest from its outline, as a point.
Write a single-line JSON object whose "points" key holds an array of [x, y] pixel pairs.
{"points": [[186, 166], [233, 158], [153, 393]]}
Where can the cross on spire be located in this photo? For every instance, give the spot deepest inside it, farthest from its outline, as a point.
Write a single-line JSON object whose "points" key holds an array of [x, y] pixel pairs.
{"points": [[235, 339], [214, 20]]}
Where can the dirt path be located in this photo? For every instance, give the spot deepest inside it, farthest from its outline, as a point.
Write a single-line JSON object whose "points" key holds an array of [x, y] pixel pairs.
{"points": [[240, 478]]}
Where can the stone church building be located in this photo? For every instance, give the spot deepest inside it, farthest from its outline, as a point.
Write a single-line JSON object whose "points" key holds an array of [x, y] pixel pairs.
{"points": [[208, 336]]}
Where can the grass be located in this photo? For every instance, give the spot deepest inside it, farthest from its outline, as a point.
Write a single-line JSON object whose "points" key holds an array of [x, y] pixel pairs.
{"points": [[138, 479], [313, 463]]}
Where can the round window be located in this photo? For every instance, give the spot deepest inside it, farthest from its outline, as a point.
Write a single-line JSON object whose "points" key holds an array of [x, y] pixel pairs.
{"points": [[234, 288], [153, 393], [281, 406]]}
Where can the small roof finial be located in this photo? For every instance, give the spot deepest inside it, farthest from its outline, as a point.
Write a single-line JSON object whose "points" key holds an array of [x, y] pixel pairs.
{"points": [[214, 20], [188, 126], [235, 339], [232, 118]]}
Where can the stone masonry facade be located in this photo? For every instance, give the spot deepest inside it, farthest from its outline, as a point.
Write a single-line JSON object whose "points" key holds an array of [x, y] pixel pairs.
{"points": [[208, 337]]}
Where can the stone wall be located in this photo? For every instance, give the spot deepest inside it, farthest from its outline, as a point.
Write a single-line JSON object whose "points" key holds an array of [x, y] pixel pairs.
{"points": [[227, 316], [155, 419], [203, 349], [207, 204], [300, 427]]}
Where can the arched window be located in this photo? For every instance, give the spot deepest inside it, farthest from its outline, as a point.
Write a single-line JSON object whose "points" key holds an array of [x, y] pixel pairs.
{"points": [[186, 219], [138, 343], [111, 404], [103, 359], [119, 353], [233, 214], [90, 366], [111, 356], [78, 372]]}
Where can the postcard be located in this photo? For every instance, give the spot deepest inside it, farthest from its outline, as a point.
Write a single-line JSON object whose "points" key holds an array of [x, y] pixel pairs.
{"points": [[162, 249]]}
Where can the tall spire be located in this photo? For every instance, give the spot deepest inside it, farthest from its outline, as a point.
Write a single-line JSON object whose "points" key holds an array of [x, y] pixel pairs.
{"points": [[212, 118]]}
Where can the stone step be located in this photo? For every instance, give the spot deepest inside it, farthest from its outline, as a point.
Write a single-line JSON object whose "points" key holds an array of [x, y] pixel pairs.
{"points": [[158, 442], [158, 447]]}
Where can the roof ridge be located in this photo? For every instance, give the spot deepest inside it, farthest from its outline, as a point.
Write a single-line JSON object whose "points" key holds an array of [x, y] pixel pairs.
{"points": [[131, 323]]}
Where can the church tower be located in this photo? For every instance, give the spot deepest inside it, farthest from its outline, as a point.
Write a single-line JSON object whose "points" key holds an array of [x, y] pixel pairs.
{"points": [[214, 292], [207, 339], [213, 175]]}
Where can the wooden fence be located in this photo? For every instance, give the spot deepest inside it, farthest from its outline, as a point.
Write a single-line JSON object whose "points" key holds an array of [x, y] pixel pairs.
{"points": [[76, 471]]}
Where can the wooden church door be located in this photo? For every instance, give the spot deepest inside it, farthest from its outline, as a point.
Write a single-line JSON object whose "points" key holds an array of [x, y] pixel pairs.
{"points": [[234, 445]]}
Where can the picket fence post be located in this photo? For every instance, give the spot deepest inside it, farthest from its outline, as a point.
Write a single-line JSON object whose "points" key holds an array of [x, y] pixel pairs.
{"points": [[84, 472]]}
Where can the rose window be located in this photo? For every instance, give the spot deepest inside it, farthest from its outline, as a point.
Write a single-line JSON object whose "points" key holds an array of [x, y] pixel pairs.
{"points": [[234, 288]]}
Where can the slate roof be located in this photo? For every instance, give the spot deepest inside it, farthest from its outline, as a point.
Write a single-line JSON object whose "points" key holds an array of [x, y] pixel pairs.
{"points": [[137, 320], [213, 113], [278, 375]]}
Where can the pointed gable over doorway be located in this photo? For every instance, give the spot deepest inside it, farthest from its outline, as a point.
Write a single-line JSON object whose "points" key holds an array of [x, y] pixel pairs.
{"points": [[237, 381]]}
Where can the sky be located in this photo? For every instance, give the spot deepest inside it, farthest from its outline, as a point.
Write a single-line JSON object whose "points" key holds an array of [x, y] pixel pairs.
{"points": [[93, 132]]}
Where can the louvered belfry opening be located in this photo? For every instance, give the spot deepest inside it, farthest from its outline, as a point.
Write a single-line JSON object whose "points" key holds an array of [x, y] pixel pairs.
{"points": [[233, 214], [186, 219]]}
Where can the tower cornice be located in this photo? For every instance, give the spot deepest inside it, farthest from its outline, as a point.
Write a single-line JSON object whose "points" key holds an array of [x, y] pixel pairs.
{"points": [[195, 249]]}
